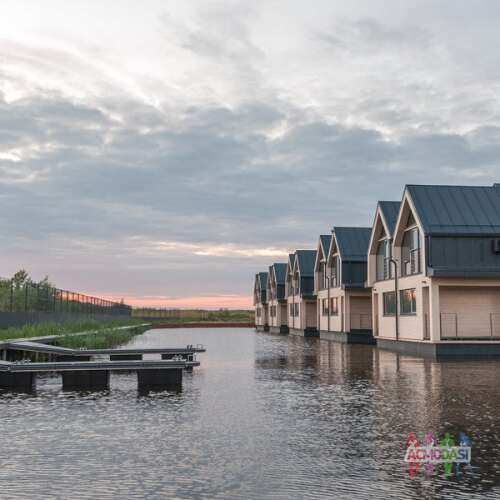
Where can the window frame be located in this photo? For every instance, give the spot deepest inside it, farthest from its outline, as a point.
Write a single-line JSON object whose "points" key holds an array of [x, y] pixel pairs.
{"points": [[334, 311], [385, 310], [412, 302]]}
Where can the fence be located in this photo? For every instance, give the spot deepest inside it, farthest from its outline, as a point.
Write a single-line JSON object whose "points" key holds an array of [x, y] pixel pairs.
{"points": [[485, 326], [33, 297]]}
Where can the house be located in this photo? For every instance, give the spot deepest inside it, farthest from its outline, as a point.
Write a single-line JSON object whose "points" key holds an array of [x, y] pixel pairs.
{"points": [[301, 299], [260, 302], [276, 298], [436, 285], [321, 279], [344, 301]]}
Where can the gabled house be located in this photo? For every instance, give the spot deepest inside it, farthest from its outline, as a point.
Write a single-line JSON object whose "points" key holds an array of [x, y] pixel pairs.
{"points": [[345, 307], [446, 252], [322, 278], [276, 298], [301, 299], [260, 302], [380, 266]]}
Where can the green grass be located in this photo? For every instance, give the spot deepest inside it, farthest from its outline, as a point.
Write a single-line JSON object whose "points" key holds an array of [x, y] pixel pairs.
{"points": [[101, 339], [52, 328]]}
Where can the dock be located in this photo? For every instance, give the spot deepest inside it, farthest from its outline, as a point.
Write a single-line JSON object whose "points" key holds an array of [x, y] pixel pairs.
{"points": [[86, 368]]}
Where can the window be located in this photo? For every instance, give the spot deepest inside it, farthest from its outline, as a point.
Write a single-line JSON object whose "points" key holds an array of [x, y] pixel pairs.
{"points": [[383, 260], [334, 282], [410, 252], [322, 276], [389, 303], [291, 309], [408, 299], [297, 309], [324, 307], [258, 312], [334, 310]]}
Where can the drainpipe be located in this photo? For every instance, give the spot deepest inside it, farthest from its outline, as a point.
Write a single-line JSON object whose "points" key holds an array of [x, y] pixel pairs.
{"points": [[395, 262]]}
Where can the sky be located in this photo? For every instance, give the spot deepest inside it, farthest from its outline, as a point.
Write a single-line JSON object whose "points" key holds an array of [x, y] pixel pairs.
{"points": [[166, 151]]}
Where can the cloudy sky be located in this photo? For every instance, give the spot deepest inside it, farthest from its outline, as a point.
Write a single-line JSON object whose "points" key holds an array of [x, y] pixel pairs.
{"points": [[164, 151]]}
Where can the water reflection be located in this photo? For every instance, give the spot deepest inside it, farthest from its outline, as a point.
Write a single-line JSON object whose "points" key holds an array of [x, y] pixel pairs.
{"points": [[265, 416]]}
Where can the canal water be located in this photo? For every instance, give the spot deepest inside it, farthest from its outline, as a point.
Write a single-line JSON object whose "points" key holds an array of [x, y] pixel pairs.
{"points": [[264, 417]]}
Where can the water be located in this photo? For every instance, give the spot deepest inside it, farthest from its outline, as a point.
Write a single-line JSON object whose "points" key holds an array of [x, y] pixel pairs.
{"points": [[265, 416]]}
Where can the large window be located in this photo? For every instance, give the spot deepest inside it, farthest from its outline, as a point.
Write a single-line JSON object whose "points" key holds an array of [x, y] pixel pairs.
{"points": [[322, 276], [389, 303], [334, 308], [410, 252], [383, 260], [334, 283], [324, 307], [408, 300]]}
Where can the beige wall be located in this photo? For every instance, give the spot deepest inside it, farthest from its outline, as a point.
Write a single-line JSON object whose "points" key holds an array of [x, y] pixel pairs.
{"points": [[307, 317], [361, 311], [410, 327], [263, 318], [281, 317], [470, 310]]}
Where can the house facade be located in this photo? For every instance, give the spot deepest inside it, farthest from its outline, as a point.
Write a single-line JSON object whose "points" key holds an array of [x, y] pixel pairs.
{"points": [[276, 298], [440, 294], [260, 302], [301, 299], [344, 301]]}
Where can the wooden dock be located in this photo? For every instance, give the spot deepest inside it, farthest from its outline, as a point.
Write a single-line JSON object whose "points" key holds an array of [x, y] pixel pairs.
{"points": [[80, 371]]}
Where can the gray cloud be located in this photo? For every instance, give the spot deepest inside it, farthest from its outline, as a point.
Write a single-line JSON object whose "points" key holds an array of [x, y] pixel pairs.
{"points": [[112, 194]]}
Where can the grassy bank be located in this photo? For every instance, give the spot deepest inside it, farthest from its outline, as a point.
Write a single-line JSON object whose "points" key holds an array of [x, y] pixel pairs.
{"points": [[190, 316], [100, 339], [63, 329]]}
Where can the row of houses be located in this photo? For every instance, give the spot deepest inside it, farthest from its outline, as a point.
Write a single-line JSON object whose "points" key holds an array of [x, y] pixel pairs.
{"points": [[423, 278]]}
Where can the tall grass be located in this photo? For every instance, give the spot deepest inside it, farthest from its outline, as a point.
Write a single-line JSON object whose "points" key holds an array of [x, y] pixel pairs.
{"points": [[100, 339], [53, 328]]}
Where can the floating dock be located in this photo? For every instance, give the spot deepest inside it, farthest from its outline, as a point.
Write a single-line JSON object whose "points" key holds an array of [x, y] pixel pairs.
{"points": [[80, 371]]}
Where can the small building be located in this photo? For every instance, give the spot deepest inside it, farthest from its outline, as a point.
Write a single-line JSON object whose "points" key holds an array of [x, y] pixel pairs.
{"points": [[440, 294], [260, 302], [301, 299], [276, 298], [344, 301]]}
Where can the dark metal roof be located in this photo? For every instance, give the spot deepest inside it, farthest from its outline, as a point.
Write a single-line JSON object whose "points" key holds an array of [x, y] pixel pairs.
{"points": [[466, 210], [263, 280], [306, 260], [325, 243], [390, 212], [353, 242], [280, 272]]}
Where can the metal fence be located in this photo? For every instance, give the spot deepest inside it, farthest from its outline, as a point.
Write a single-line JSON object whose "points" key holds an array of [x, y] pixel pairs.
{"points": [[484, 326], [35, 297]]}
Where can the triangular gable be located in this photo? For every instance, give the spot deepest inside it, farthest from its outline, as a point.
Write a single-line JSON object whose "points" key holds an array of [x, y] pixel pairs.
{"points": [[406, 209]]}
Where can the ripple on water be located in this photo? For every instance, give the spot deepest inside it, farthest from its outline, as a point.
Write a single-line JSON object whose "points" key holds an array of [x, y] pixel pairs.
{"points": [[265, 416]]}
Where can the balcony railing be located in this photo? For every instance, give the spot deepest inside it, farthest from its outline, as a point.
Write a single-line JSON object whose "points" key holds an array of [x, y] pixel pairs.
{"points": [[361, 321], [465, 326]]}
